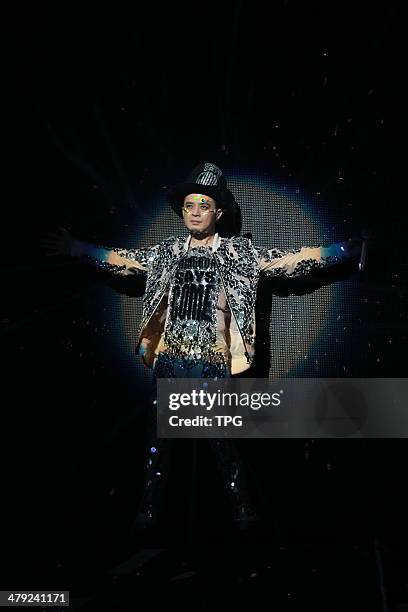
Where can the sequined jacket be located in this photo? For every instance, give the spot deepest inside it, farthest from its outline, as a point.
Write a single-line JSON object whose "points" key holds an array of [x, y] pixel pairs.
{"points": [[239, 263]]}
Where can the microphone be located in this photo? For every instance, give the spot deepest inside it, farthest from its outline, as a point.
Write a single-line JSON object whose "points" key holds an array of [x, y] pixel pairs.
{"points": [[365, 236]]}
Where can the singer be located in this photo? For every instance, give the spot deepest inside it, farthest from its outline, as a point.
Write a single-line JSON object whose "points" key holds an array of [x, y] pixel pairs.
{"points": [[199, 307]]}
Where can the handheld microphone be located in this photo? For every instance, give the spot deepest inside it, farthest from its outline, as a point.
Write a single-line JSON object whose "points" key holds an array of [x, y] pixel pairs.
{"points": [[361, 264]]}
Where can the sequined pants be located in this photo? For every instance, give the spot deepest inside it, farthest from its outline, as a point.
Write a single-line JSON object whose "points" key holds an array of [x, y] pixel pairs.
{"points": [[156, 465]]}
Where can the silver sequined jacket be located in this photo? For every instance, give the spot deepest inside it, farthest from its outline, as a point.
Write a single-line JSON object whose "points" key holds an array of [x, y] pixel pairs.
{"points": [[239, 263]]}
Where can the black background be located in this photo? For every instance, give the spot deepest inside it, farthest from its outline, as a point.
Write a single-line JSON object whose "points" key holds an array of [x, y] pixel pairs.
{"points": [[107, 105]]}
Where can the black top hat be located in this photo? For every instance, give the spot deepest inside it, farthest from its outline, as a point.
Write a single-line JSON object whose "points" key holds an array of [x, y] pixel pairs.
{"points": [[206, 178]]}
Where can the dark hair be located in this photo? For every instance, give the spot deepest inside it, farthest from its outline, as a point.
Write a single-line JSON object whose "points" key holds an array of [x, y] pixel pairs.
{"points": [[230, 223]]}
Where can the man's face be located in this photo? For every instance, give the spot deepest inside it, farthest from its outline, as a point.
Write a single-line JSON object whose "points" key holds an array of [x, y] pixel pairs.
{"points": [[200, 213]]}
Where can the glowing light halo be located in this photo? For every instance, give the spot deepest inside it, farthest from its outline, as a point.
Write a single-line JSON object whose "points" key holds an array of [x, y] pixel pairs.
{"points": [[286, 210]]}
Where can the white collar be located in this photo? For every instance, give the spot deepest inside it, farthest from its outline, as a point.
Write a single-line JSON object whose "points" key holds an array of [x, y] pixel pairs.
{"points": [[215, 243]]}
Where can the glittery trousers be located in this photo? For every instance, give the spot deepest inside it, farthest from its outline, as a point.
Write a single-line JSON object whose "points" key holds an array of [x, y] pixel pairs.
{"points": [[156, 465]]}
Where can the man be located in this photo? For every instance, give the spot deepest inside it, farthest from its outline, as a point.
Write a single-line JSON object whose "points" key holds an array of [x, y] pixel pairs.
{"points": [[199, 305]]}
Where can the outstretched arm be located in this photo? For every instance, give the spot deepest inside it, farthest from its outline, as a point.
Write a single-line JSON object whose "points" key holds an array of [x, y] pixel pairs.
{"points": [[298, 262], [119, 261]]}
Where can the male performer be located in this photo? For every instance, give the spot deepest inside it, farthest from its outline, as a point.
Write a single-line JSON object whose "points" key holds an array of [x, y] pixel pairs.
{"points": [[199, 306]]}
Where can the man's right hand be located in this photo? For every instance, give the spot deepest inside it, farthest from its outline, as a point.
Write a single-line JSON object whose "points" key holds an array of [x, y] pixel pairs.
{"points": [[57, 243]]}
